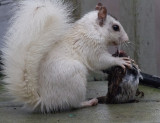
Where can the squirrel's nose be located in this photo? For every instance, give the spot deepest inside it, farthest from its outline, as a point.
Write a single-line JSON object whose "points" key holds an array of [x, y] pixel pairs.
{"points": [[125, 38]]}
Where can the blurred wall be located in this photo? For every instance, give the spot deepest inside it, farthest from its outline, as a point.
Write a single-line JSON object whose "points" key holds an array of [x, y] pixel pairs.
{"points": [[5, 15], [157, 28], [140, 18]]}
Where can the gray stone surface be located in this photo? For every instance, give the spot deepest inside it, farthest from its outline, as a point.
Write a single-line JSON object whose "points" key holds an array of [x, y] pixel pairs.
{"points": [[146, 111]]}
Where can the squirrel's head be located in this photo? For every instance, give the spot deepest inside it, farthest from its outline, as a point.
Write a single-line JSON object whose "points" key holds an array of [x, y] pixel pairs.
{"points": [[103, 27]]}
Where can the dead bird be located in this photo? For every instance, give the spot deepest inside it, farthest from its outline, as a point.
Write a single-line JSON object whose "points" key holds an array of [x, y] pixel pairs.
{"points": [[122, 84]]}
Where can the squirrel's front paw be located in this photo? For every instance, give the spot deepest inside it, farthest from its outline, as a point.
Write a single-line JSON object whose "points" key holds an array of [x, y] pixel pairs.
{"points": [[123, 62]]}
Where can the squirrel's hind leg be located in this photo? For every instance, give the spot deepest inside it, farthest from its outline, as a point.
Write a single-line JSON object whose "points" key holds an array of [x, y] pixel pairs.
{"points": [[63, 85]]}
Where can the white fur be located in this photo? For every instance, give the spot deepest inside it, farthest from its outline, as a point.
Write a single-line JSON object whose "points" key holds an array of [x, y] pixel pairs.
{"points": [[47, 60]]}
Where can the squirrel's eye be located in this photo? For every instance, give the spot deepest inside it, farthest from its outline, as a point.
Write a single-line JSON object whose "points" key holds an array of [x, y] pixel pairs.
{"points": [[116, 28]]}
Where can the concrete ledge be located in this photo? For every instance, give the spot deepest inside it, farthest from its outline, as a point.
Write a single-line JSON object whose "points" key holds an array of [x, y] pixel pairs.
{"points": [[147, 110]]}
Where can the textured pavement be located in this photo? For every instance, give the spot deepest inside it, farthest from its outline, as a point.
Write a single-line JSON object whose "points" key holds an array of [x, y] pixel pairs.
{"points": [[146, 111]]}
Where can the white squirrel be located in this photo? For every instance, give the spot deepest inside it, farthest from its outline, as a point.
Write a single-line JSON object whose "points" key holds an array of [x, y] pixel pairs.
{"points": [[46, 57]]}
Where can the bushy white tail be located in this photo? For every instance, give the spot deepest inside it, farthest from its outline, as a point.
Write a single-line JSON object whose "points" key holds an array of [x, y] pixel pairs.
{"points": [[35, 27]]}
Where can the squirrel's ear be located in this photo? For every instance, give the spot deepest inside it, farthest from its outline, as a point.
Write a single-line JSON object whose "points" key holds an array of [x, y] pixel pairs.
{"points": [[102, 14], [99, 6]]}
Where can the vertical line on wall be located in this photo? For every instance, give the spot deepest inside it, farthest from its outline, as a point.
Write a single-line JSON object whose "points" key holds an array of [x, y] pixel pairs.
{"points": [[136, 51], [76, 9]]}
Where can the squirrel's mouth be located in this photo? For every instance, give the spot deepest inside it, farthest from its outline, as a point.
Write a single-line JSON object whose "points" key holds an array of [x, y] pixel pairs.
{"points": [[114, 43]]}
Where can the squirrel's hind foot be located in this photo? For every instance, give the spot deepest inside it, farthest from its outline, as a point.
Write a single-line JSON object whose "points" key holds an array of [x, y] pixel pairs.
{"points": [[92, 102]]}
